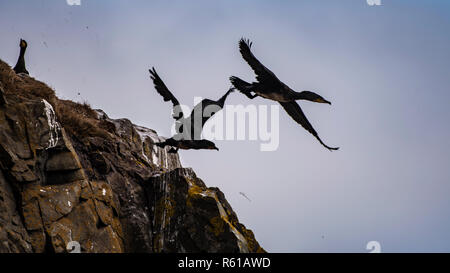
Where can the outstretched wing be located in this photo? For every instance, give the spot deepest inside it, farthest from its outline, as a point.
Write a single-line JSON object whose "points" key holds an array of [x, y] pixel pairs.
{"points": [[203, 111], [199, 116], [165, 93], [263, 74], [296, 113]]}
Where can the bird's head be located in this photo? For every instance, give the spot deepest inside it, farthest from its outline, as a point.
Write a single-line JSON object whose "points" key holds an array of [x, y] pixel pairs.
{"points": [[311, 96], [209, 145], [23, 43]]}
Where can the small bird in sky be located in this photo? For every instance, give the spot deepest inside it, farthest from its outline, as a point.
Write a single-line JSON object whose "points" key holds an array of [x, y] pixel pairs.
{"points": [[243, 194]]}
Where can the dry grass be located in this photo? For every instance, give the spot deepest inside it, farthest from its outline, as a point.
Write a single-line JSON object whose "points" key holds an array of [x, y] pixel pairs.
{"points": [[78, 119], [83, 110], [23, 86]]}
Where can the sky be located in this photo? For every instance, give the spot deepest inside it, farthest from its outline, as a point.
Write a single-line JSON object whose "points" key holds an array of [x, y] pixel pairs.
{"points": [[386, 70]]}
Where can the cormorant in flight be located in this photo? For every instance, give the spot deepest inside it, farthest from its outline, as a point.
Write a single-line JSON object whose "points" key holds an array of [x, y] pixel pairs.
{"points": [[188, 129], [270, 87], [20, 66]]}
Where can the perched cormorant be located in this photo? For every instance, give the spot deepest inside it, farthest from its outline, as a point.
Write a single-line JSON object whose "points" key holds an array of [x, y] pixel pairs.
{"points": [[270, 87], [194, 123], [20, 66]]}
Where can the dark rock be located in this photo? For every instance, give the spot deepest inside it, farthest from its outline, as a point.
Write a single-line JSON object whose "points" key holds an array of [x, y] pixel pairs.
{"points": [[107, 186], [2, 96], [65, 161], [13, 235], [100, 163], [189, 217]]}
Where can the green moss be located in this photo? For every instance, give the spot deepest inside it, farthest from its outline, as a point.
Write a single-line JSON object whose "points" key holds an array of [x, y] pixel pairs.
{"points": [[157, 244], [164, 210], [217, 225], [138, 162], [193, 192]]}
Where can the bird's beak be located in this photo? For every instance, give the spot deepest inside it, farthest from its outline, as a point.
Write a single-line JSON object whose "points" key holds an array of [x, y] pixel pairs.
{"points": [[320, 100], [216, 148]]}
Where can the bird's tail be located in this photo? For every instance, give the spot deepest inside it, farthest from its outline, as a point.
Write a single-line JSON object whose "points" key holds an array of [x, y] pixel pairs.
{"points": [[241, 85]]}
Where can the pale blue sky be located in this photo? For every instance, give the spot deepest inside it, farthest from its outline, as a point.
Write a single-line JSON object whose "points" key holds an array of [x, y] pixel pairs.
{"points": [[386, 70]]}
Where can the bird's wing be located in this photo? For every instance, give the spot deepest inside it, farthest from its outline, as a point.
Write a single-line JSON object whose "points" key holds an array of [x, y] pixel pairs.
{"points": [[294, 110], [208, 104], [206, 109], [263, 74], [198, 118], [165, 92]]}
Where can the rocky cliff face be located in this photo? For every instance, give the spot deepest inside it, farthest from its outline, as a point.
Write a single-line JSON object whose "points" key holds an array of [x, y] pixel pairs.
{"points": [[72, 174]]}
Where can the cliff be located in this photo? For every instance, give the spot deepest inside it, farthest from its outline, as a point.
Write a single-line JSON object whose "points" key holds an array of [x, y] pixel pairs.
{"points": [[71, 173]]}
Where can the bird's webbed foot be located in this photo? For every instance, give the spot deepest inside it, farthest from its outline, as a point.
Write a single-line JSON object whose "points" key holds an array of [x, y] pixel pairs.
{"points": [[173, 150]]}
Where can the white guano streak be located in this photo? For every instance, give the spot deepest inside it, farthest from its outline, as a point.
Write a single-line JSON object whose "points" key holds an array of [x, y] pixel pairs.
{"points": [[53, 125]]}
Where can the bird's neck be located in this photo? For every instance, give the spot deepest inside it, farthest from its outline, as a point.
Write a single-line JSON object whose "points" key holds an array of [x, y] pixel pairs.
{"points": [[22, 52], [304, 95], [21, 59]]}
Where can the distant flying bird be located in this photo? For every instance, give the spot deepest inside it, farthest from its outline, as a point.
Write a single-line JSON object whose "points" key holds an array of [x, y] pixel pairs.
{"points": [[243, 194], [270, 87], [20, 66], [194, 123]]}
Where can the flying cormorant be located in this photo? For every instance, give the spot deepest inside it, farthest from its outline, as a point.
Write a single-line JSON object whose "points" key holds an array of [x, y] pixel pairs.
{"points": [[270, 87], [187, 144], [203, 111], [20, 66]]}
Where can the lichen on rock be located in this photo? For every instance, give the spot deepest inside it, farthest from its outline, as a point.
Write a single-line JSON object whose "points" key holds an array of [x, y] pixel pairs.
{"points": [[69, 173]]}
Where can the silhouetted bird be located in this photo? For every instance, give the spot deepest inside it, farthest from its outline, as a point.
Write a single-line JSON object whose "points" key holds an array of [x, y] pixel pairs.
{"points": [[20, 66], [243, 194], [270, 87], [202, 144], [202, 112]]}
